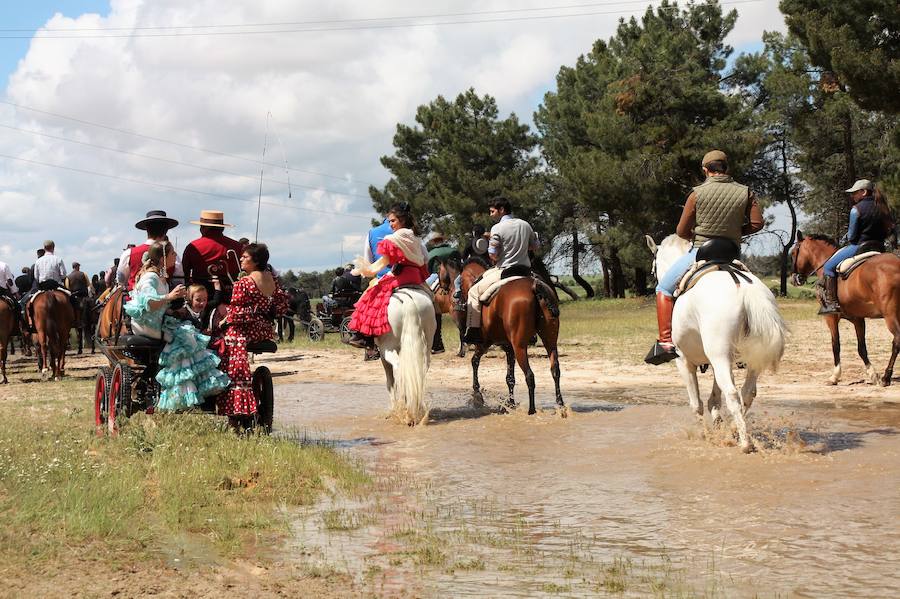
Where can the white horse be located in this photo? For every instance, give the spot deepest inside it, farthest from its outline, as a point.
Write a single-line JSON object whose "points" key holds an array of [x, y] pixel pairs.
{"points": [[406, 352], [713, 323]]}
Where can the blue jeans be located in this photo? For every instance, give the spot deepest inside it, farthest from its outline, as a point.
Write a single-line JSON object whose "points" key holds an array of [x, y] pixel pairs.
{"points": [[670, 280], [842, 254]]}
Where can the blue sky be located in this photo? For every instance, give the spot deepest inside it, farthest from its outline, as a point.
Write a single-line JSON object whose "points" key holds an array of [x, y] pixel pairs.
{"points": [[33, 14]]}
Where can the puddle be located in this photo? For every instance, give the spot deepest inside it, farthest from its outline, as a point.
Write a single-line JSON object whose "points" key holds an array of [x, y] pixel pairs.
{"points": [[623, 496]]}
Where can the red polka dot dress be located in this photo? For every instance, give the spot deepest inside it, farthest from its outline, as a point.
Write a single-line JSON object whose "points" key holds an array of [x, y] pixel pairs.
{"points": [[250, 316]]}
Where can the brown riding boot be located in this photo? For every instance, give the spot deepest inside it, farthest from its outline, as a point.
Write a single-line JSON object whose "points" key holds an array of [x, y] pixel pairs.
{"points": [[663, 350], [830, 301]]}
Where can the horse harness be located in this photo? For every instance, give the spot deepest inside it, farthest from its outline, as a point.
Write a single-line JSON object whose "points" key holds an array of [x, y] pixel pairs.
{"points": [[716, 254]]}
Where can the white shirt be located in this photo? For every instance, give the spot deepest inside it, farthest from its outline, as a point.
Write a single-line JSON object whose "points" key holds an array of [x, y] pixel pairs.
{"points": [[123, 273], [6, 276], [50, 267]]}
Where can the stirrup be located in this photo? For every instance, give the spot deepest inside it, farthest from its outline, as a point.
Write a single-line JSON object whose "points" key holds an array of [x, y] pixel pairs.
{"points": [[660, 354]]}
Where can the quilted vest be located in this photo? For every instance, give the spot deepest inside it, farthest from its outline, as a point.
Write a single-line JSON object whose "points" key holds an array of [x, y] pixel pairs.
{"points": [[721, 209]]}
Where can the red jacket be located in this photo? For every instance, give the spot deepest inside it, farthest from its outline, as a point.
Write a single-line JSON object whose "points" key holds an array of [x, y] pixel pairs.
{"points": [[208, 251], [135, 263]]}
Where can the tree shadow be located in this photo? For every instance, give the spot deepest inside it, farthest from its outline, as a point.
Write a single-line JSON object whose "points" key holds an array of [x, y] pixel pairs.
{"points": [[824, 442]]}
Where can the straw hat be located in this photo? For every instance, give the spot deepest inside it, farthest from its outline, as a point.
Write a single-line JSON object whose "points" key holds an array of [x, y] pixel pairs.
{"points": [[211, 218]]}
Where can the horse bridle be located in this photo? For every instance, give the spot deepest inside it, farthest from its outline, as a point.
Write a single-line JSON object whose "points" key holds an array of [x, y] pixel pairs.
{"points": [[796, 277]]}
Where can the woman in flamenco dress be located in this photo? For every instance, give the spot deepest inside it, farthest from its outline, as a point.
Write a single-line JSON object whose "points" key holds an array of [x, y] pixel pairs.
{"points": [[256, 300], [188, 371], [402, 250]]}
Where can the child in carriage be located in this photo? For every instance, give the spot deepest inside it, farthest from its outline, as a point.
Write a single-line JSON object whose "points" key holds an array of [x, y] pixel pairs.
{"points": [[188, 370]]}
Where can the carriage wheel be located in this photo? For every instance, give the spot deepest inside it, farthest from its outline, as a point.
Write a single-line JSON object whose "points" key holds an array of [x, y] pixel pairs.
{"points": [[265, 397], [316, 329], [345, 330], [101, 398], [120, 396]]}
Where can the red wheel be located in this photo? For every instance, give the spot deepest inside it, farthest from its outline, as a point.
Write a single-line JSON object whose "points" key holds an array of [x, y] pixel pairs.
{"points": [[115, 387], [101, 399], [119, 396]]}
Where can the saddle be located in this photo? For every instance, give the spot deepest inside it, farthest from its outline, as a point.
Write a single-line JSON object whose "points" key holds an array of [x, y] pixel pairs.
{"points": [[513, 273], [714, 255], [865, 251], [12, 303]]}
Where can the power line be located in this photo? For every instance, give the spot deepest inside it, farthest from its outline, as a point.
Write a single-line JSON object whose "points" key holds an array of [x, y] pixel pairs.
{"points": [[177, 188], [169, 141], [177, 162], [38, 34], [330, 21]]}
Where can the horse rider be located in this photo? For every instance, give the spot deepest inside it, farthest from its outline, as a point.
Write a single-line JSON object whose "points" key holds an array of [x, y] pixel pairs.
{"points": [[870, 224], [49, 274], [510, 241], [40, 254], [8, 285], [212, 251], [157, 225], [24, 281], [719, 208], [77, 282]]}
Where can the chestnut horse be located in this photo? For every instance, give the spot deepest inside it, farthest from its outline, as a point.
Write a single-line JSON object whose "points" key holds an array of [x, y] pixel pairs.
{"points": [[8, 324], [520, 309], [111, 322], [444, 302], [53, 318], [871, 291]]}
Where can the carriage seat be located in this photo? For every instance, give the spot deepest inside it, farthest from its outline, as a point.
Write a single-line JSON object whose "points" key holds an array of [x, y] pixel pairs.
{"points": [[262, 347], [141, 342]]}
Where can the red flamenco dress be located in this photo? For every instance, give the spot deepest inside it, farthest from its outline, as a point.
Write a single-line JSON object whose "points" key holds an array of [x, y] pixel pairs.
{"points": [[370, 317], [250, 316]]}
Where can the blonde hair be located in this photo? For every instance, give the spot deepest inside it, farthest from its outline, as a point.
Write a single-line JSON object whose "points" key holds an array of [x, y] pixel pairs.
{"points": [[195, 289]]}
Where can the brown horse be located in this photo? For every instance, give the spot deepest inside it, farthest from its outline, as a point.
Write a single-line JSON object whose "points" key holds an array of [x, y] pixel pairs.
{"points": [[53, 317], [445, 304], [111, 322], [871, 291], [519, 310], [86, 313], [8, 326]]}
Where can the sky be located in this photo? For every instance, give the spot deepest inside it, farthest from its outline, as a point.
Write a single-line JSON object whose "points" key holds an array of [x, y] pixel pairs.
{"points": [[119, 116]]}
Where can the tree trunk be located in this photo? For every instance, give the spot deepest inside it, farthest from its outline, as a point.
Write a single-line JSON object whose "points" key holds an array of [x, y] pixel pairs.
{"points": [[576, 258], [786, 250], [605, 270], [640, 282], [618, 277]]}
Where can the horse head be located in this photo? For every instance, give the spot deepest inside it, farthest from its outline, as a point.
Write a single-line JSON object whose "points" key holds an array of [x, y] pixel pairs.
{"points": [[808, 254], [667, 252]]}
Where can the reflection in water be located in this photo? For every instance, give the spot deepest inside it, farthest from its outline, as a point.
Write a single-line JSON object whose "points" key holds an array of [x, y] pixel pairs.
{"points": [[517, 506]]}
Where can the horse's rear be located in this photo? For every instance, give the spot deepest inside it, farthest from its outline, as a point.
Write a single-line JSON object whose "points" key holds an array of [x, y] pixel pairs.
{"points": [[873, 291], [406, 352], [718, 322], [111, 322], [7, 329], [53, 318]]}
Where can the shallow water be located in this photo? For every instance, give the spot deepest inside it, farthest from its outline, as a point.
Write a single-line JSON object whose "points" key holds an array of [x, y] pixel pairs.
{"points": [[816, 512]]}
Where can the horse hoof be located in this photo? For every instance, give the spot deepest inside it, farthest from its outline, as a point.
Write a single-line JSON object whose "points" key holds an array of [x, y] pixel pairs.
{"points": [[532, 412], [45, 374], [749, 448], [886, 381], [478, 399], [832, 381]]}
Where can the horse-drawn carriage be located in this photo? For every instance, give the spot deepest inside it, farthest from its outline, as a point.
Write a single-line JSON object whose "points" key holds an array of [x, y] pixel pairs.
{"points": [[128, 384], [329, 316]]}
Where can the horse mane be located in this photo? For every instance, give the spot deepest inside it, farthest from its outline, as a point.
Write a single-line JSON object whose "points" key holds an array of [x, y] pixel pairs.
{"points": [[821, 237], [473, 259]]}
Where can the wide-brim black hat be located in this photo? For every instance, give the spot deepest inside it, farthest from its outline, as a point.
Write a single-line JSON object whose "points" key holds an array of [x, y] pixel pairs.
{"points": [[157, 216]]}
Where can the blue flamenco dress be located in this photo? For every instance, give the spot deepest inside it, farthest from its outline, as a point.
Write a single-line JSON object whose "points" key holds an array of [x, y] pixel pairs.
{"points": [[189, 372]]}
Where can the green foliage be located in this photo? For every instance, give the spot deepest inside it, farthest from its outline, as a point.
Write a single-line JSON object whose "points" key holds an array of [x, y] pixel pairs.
{"points": [[458, 157], [857, 41]]}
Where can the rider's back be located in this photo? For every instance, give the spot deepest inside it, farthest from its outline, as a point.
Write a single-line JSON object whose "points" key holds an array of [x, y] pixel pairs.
{"points": [[721, 206], [512, 237]]}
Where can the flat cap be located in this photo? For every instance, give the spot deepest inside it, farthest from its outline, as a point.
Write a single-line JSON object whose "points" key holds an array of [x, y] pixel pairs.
{"points": [[861, 184], [714, 155]]}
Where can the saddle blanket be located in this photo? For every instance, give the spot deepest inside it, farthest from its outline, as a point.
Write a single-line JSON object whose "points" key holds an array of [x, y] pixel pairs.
{"points": [[491, 291], [850, 264], [702, 268]]}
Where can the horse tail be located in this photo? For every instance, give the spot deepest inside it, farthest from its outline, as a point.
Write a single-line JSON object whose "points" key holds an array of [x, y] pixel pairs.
{"points": [[410, 376], [548, 303], [762, 343]]}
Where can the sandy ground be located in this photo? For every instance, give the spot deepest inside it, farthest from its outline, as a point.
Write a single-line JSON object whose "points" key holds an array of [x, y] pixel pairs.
{"points": [[802, 378]]}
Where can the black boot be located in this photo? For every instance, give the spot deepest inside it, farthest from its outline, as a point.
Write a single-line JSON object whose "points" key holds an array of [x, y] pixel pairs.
{"points": [[830, 300], [359, 340], [473, 336], [437, 346]]}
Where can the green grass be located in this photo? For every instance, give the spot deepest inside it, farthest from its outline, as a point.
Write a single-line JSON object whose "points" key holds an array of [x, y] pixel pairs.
{"points": [[164, 480]]}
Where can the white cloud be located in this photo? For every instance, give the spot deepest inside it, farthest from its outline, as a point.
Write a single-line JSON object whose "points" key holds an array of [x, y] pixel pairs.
{"points": [[336, 98]]}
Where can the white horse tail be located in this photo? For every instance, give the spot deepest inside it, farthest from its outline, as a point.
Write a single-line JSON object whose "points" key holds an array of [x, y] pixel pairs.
{"points": [[410, 383], [762, 343]]}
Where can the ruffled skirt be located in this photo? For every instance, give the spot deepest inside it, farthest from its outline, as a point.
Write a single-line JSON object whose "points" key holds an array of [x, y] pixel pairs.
{"points": [[189, 372], [370, 316]]}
